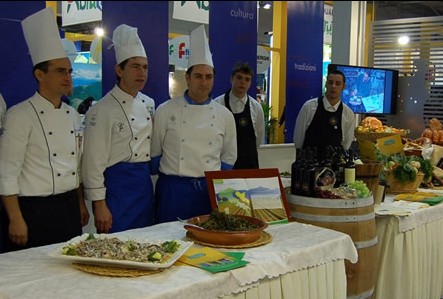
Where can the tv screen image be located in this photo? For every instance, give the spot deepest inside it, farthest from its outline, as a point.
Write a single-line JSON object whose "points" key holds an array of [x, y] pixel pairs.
{"points": [[369, 90]]}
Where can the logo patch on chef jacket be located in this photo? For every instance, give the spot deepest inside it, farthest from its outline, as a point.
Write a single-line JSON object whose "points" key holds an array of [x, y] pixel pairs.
{"points": [[120, 126], [93, 120], [333, 121]]}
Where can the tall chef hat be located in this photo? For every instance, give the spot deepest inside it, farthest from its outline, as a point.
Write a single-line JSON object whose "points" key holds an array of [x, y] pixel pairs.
{"points": [[42, 36], [127, 44], [199, 48]]}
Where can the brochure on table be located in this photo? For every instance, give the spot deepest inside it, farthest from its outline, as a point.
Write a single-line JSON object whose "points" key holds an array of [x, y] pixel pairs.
{"points": [[253, 192]]}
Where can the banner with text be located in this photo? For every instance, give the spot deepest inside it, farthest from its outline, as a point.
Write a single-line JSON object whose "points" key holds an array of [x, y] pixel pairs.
{"points": [[304, 60], [79, 12], [232, 38], [193, 11]]}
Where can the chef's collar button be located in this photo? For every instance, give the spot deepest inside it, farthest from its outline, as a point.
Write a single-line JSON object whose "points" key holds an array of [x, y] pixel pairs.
{"points": [[132, 119], [41, 112], [58, 174], [72, 153], [50, 133], [136, 155], [124, 102], [72, 132], [54, 154], [149, 137], [135, 138], [67, 111], [149, 118], [143, 101], [182, 158], [147, 155], [212, 125], [183, 140], [73, 173]]}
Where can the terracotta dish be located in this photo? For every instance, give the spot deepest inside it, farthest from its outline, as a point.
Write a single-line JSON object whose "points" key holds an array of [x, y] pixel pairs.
{"points": [[218, 237]]}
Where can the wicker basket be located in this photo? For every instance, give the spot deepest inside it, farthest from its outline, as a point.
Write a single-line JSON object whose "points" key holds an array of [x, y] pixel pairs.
{"points": [[373, 136], [394, 186]]}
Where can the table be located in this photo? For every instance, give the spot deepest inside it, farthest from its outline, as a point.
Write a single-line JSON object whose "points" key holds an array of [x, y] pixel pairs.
{"points": [[302, 261], [411, 255]]}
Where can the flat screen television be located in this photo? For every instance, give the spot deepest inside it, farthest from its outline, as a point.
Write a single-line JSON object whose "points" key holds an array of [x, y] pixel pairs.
{"points": [[369, 90]]}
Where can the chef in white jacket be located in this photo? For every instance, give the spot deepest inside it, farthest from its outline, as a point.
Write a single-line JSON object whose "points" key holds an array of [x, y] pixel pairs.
{"points": [[192, 134], [117, 144], [40, 148]]}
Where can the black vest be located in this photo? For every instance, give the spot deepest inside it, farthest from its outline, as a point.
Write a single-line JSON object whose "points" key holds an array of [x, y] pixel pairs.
{"points": [[247, 154], [325, 128]]}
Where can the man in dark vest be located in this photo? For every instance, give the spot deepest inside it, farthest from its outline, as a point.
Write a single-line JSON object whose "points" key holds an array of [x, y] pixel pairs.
{"points": [[326, 120], [248, 114]]}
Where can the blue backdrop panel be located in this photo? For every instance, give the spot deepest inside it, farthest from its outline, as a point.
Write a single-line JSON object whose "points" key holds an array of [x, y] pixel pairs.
{"points": [[16, 82], [232, 38], [304, 58], [151, 19]]}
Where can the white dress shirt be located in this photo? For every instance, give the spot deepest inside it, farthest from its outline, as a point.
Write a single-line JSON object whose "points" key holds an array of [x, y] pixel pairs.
{"points": [[117, 129], [307, 113], [40, 149], [193, 139], [257, 115]]}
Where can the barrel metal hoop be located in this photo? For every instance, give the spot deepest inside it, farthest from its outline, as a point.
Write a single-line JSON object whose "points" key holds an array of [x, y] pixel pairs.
{"points": [[363, 295], [327, 218], [332, 203], [366, 244]]}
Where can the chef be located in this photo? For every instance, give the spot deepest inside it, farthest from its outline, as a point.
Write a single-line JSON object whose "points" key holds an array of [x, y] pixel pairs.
{"points": [[192, 134], [117, 145], [40, 148]]}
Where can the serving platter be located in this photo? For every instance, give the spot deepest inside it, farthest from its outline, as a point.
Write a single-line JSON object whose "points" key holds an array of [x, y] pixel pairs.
{"points": [[58, 253]]}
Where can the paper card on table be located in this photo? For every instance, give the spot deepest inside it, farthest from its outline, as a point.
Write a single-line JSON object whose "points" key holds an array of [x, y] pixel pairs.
{"points": [[390, 145], [212, 260]]}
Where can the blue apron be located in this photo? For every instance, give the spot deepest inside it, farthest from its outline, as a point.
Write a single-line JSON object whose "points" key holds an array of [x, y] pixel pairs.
{"points": [[129, 195], [183, 197]]}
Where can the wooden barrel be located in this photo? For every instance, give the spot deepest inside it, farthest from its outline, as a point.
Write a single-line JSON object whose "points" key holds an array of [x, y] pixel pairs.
{"points": [[354, 217], [369, 172]]}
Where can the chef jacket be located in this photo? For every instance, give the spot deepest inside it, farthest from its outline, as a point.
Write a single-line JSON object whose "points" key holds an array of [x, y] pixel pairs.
{"points": [[117, 129], [307, 113], [257, 116], [40, 149], [193, 139], [2, 110]]}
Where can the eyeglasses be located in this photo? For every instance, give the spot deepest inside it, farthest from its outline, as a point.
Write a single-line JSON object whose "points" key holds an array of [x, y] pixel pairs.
{"points": [[62, 72]]}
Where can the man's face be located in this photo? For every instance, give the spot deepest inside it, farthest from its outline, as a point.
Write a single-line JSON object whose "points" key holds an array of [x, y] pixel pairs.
{"points": [[134, 75], [200, 82], [57, 80], [334, 86], [240, 84]]}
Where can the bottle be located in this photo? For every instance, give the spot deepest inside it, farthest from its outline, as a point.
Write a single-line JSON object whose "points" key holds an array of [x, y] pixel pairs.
{"points": [[350, 168], [338, 165]]}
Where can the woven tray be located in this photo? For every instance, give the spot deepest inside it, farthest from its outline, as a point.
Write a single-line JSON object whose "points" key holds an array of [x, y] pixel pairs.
{"points": [[373, 136], [265, 238], [394, 186], [114, 271]]}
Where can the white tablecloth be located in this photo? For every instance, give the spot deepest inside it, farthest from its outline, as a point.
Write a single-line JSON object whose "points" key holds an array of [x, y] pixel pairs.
{"points": [[411, 255], [301, 259]]}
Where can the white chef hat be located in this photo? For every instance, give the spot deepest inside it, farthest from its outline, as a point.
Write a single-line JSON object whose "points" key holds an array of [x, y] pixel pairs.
{"points": [[70, 49], [199, 48], [127, 44], [42, 36]]}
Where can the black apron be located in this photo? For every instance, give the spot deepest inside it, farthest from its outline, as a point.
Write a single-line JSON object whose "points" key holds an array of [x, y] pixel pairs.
{"points": [[325, 129], [247, 154]]}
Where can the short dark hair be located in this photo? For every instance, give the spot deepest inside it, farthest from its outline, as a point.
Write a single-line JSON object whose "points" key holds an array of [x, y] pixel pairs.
{"points": [[122, 65], [242, 67], [189, 70], [43, 66], [337, 72]]}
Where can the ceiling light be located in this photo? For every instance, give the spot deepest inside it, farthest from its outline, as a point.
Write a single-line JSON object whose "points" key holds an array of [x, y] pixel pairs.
{"points": [[403, 40], [267, 6], [99, 31]]}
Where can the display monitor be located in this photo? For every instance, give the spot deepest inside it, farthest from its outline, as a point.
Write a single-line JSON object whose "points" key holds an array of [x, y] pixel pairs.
{"points": [[369, 90]]}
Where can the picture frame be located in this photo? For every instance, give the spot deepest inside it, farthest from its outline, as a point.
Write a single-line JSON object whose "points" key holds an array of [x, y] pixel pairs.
{"points": [[252, 192]]}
